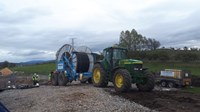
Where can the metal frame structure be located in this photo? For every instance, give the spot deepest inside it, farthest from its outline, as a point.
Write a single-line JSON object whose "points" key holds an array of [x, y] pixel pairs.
{"points": [[65, 64]]}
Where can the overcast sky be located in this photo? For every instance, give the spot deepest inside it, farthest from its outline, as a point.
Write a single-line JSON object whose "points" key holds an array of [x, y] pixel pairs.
{"points": [[36, 29]]}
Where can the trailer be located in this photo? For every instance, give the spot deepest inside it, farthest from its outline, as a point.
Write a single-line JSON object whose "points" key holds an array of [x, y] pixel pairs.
{"points": [[173, 78], [73, 64]]}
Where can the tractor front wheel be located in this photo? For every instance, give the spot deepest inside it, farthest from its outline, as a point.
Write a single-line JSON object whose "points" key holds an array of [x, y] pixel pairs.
{"points": [[122, 80], [62, 79], [148, 84], [99, 77]]}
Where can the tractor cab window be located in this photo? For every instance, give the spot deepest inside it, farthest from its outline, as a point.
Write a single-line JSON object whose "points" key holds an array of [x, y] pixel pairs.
{"points": [[119, 54], [107, 55]]}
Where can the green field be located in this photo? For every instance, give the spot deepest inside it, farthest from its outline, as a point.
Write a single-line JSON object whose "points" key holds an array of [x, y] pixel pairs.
{"points": [[153, 66], [43, 69], [157, 66]]}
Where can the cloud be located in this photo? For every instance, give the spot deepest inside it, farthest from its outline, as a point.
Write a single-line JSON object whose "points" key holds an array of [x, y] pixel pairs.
{"points": [[177, 33], [21, 16], [36, 29]]}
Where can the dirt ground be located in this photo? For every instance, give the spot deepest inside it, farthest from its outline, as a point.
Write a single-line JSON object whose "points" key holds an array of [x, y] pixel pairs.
{"points": [[170, 100], [165, 101]]}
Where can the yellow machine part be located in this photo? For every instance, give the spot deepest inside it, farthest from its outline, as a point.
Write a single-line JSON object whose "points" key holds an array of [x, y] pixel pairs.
{"points": [[119, 80], [97, 75]]}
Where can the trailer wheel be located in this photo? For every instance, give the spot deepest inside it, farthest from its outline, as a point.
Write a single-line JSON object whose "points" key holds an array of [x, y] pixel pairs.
{"points": [[171, 84], [55, 79], [99, 77], [149, 83], [62, 79], [163, 83], [83, 82], [122, 80], [90, 80]]}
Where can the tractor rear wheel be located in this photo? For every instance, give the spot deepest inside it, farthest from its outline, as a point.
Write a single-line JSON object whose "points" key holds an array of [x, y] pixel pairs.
{"points": [[62, 79], [122, 80], [149, 83], [55, 79], [99, 77]]}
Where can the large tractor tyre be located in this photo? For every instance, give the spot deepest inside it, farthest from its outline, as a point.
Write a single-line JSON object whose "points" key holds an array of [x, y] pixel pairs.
{"points": [[62, 79], [99, 77], [122, 80], [148, 84], [55, 79]]}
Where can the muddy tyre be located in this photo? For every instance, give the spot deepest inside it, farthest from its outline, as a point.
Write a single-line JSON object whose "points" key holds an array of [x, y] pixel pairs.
{"points": [[90, 80], [99, 77], [62, 79], [171, 84], [163, 83], [149, 83], [54, 79], [122, 80]]}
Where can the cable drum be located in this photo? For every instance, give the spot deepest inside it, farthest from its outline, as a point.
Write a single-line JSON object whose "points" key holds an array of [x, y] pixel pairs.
{"points": [[81, 62], [65, 49], [80, 58], [91, 59], [84, 49]]}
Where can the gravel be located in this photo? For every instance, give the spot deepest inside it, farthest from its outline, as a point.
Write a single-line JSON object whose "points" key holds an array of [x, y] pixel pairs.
{"points": [[74, 97]]}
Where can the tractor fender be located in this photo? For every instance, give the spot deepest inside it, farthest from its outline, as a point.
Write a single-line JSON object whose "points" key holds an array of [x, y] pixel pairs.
{"points": [[116, 68]]}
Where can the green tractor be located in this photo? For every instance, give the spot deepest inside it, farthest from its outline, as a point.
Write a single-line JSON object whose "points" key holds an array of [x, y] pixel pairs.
{"points": [[123, 72]]}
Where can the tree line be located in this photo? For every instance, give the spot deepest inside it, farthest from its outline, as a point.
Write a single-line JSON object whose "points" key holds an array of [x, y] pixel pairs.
{"points": [[149, 49], [166, 55], [134, 41]]}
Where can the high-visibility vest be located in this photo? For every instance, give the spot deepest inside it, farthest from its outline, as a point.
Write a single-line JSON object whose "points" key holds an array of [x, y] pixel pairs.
{"points": [[49, 76], [35, 78]]}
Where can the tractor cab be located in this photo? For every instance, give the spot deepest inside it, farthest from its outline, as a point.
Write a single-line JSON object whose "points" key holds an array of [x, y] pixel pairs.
{"points": [[117, 57], [113, 55]]}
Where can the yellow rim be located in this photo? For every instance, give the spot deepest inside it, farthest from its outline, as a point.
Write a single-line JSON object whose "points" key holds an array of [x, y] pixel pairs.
{"points": [[96, 75], [119, 80]]}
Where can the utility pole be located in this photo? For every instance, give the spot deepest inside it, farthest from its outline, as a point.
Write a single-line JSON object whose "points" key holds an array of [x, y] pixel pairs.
{"points": [[73, 41]]}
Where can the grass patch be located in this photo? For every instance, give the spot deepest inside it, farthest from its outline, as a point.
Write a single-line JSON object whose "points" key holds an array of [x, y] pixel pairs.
{"points": [[195, 90], [43, 69], [157, 66]]}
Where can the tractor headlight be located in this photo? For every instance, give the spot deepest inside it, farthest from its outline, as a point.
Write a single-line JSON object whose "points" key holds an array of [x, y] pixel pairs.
{"points": [[136, 69], [186, 74]]}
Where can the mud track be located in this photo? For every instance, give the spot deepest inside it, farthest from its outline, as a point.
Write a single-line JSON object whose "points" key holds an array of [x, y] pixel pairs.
{"points": [[165, 101]]}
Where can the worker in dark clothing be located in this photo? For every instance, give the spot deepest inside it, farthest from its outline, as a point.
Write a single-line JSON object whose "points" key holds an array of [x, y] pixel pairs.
{"points": [[35, 79]]}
